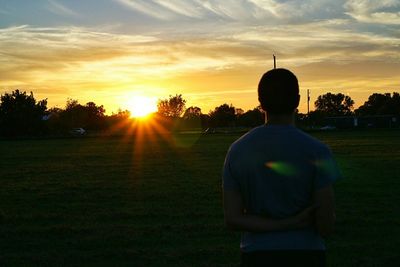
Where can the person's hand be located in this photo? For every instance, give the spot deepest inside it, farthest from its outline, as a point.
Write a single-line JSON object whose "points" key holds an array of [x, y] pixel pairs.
{"points": [[305, 217]]}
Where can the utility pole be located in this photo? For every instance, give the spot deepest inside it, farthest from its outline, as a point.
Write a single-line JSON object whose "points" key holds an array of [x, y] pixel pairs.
{"points": [[274, 61], [308, 103], [308, 108]]}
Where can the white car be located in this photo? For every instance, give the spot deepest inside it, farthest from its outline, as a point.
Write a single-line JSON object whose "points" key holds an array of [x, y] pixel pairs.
{"points": [[77, 131], [328, 128]]}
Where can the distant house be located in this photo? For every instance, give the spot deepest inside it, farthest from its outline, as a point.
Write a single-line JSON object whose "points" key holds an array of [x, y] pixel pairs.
{"points": [[376, 121]]}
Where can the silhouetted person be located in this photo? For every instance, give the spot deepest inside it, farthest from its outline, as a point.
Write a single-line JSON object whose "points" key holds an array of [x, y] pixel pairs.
{"points": [[277, 184]]}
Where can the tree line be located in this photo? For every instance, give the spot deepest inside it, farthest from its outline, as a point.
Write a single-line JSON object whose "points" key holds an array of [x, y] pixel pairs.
{"points": [[22, 115]]}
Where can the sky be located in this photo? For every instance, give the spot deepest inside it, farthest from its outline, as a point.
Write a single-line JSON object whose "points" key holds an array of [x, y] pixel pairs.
{"points": [[210, 51]]}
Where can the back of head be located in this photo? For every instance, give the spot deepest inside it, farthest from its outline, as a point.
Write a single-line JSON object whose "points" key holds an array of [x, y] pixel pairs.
{"points": [[278, 92]]}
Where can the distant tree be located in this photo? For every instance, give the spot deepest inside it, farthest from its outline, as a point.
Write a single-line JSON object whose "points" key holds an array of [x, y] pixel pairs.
{"points": [[192, 113], [251, 118], [125, 114], [316, 118], [191, 118], [205, 121], [239, 111], [119, 123], [334, 104], [89, 116], [71, 104], [54, 123], [21, 114], [223, 116], [172, 107], [380, 104], [95, 116]]}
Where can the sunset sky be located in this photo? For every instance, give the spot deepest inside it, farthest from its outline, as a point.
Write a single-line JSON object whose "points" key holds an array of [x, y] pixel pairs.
{"points": [[210, 51]]}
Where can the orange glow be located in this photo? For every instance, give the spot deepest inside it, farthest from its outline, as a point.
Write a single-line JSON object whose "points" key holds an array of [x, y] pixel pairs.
{"points": [[143, 135]]}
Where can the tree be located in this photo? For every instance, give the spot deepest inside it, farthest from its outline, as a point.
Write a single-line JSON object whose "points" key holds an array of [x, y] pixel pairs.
{"points": [[239, 111], [223, 116], [251, 118], [95, 116], [334, 104], [172, 107], [21, 114], [316, 117], [380, 104], [89, 116], [192, 113]]}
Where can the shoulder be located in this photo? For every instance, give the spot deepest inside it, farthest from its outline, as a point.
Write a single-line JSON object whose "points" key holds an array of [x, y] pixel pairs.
{"points": [[247, 139], [311, 142]]}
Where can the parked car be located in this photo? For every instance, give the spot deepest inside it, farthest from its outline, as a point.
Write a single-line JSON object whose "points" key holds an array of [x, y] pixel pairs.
{"points": [[328, 128], [77, 131]]}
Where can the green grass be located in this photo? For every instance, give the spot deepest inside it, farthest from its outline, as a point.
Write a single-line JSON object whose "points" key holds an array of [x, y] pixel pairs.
{"points": [[117, 202]]}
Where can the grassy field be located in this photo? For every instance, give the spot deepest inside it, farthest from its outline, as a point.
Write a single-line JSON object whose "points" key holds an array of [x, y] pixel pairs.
{"points": [[118, 202]]}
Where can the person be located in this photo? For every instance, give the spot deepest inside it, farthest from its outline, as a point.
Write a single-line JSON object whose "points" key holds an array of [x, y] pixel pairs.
{"points": [[277, 184]]}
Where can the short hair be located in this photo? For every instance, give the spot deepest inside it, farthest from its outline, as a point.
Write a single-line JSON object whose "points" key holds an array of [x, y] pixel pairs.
{"points": [[278, 92]]}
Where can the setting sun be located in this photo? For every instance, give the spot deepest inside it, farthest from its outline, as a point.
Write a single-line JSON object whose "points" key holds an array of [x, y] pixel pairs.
{"points": [[142, 106]]}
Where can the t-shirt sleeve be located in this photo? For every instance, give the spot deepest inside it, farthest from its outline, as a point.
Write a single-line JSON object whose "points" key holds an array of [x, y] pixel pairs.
{"points": [[327, 171], [228, 180]]}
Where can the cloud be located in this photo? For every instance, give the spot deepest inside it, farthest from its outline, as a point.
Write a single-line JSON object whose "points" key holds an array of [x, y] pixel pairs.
{"points": [[268, 11], [221, 51], [184, 8], [150, 8], [27, 51], [60, 9], [32, 54], [372, 11]]}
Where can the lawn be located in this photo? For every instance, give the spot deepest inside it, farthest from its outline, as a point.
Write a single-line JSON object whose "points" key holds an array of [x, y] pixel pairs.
{"points": [[157, 201]]}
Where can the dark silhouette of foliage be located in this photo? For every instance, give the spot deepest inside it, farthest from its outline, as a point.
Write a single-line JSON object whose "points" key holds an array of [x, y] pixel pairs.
{"points": [[95, 116], [119, 123], [172, 107], [21, 114], [251, 118], [205, 121], [316, 118], [239, 112], [192, 118], [192, 113], [223, 116], [89, 116], [54, 123], [380, 104], [334, 104]]}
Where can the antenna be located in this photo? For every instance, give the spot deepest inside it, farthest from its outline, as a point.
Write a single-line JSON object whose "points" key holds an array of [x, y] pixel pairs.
{"points": [[274, 61]]}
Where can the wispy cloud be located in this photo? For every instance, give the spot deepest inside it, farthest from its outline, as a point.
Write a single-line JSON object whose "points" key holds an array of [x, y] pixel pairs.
{"points": [[149, 8], [372, 11], [184, 8], [60, 9]]}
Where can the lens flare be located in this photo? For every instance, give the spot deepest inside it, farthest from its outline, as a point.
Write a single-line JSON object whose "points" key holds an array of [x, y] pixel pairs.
{"points": [[326, 166], [281, 168]]}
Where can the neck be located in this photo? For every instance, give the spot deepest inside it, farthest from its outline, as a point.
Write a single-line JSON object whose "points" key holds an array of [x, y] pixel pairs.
{"points": [[274, 119]]}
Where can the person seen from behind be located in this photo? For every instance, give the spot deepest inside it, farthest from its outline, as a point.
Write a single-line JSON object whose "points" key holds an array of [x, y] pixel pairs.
{"points": [[277, 184]]}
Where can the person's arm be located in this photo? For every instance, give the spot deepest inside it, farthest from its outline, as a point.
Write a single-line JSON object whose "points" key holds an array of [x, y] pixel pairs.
{"points": [[237, 219], [325, 211]]}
